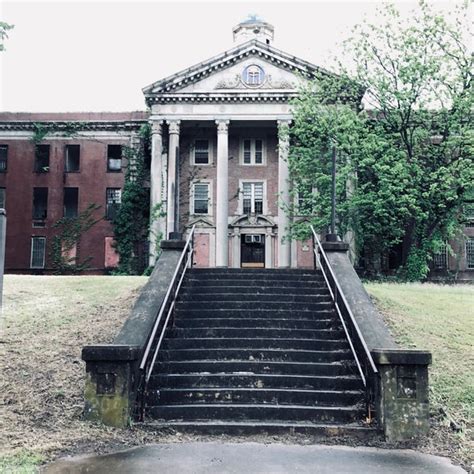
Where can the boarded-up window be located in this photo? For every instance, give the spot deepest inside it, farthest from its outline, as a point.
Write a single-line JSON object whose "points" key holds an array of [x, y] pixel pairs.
{"points": [[114, 158], [69, 254], [111, 255], [3, 193]]}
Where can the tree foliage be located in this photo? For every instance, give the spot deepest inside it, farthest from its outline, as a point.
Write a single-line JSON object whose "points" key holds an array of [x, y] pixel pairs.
{"points": [[4, 28], [405, 162]]}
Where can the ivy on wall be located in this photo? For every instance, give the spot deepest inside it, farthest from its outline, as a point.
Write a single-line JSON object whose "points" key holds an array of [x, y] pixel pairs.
{"points": [[131, 223], [65, 246]]}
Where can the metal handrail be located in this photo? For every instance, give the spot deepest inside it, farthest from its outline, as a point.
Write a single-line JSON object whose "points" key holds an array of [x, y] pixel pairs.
{"points": [[347, 309], [188, 249]]}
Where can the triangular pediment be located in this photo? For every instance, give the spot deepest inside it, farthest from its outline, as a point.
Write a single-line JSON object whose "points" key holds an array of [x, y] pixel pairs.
{"points": [[224, 74]]}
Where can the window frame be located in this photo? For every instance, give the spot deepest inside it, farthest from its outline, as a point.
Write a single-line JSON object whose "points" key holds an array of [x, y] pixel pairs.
{"points": [[253, 151], [4, 160], [64, 201], [107, 216], [37, 237], [263, 182], [3, 190], [42, 169], [109, 158], [192, 205], [34, 217], [469, 248], [439, 256], [210, 160], [66, 152]]}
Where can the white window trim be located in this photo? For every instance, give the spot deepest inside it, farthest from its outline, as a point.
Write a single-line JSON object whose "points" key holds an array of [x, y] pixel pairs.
{"points": [[210, 198], [31, 252], [240, 209], [252, 151], [211, 152]]}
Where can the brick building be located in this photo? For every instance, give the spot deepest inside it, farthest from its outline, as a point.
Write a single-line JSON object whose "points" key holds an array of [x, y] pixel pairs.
{"points": [[217, 162]]}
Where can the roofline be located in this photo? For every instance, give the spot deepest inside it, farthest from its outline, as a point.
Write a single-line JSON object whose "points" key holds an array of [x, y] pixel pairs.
{"points": [[303, 66]]}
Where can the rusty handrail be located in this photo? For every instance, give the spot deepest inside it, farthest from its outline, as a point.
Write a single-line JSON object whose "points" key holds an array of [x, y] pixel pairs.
{"points": [[336, 293]]}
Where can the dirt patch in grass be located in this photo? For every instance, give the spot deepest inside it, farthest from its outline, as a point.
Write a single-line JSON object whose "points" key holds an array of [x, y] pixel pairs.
{"points": [[47, 321]]}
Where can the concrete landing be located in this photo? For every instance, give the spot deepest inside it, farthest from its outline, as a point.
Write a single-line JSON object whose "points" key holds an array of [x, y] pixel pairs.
{"points": [[250, 458]]}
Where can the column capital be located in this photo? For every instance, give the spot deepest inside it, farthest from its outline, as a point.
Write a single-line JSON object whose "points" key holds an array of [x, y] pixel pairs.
{"points": [[222, 126], [157, 126], [173, 126], [284, 123]]}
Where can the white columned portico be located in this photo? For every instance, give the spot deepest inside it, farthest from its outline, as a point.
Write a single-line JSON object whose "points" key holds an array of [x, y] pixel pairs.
{"points": [[171, 218], [284, 247], [157, 221], [222, 198]]}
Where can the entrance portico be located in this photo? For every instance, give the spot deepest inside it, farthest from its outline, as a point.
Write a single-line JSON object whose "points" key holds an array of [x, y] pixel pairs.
{"points": [[220, 150]]}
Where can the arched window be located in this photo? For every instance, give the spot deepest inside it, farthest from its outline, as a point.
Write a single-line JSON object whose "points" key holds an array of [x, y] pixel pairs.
{"points": [[253, 75]]}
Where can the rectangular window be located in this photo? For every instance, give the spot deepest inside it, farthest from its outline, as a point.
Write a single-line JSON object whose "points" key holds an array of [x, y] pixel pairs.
{"points": [[72, 162], [40, 203], [38, 247], [469, 214], [201, 152], [305, 206], [252, 198], [114, 199], [201, 198], [71, 202], [252, 149], [3, 158], [470, 253], [247, 152], [42, 159], [3, 193], [114, 158], [440, 259]]}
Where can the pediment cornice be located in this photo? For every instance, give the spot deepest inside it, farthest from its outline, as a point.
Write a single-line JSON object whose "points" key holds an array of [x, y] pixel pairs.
{"points": [[167, 89]]}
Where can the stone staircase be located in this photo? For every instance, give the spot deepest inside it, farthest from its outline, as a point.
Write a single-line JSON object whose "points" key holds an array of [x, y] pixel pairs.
{"points": [[256, 350]]}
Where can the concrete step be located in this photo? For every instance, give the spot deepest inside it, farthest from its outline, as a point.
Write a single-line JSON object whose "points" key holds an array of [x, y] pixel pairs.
{"points": [[278, 323], [232, 298], [244, 289], [255, 367], [256, 343], [256, 354], [277, 304], [253, 380], [254, 313], [317, 431], [238, 411], [173, 396], [287, 282], [256, 332]]}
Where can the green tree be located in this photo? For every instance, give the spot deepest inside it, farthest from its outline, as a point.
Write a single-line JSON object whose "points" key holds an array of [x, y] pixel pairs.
{"points": [[404, 163], [4, 28]]}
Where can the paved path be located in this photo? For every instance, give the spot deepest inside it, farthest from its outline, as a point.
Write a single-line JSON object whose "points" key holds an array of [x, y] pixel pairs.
{"points": [[253, 458]]}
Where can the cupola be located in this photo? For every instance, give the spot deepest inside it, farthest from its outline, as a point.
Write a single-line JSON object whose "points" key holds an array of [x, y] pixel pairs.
{"points": [[253, 27]]}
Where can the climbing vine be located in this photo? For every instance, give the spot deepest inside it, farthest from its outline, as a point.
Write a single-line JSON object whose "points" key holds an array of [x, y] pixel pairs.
{"points": [[65, 245], [131, 223]]}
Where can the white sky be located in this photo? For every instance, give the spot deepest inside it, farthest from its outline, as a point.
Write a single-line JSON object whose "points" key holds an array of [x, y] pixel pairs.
{"points": [[97, 56]]}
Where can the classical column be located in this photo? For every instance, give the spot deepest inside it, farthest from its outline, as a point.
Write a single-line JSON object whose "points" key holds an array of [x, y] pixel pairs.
{"points": [[173, 153], [283, 194], [157, 221], [222, 198]]}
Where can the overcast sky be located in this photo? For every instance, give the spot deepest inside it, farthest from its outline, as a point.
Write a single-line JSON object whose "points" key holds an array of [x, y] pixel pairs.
{"points": [[97, 56]]}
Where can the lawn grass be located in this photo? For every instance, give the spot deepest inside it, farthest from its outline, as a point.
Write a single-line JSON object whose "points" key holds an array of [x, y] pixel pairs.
{"points": [[438, 318], [46, 322]]}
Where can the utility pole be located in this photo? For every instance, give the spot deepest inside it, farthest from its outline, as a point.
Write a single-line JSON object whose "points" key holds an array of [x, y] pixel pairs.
{"points": [[332, 236]]}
